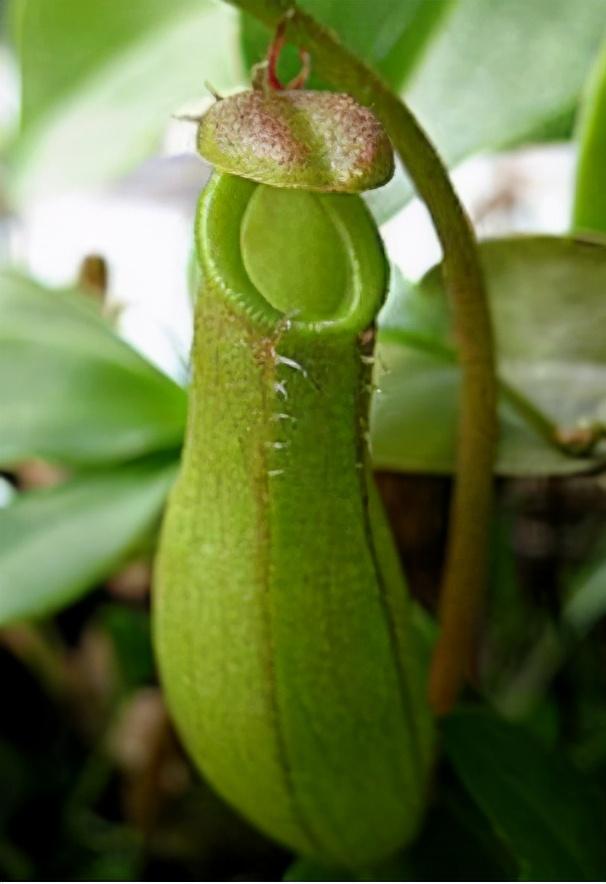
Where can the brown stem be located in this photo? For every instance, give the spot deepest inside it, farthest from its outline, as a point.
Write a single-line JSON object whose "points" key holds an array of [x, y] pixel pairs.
{"points": [[467, 555], [273, 55]]}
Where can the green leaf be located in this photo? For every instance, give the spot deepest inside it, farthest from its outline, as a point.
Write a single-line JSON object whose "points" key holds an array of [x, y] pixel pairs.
{"points": [[391, 35], [480, 88], [586, 603], [100, 83], [538, 803], [45, 38], [548, 302], [71, 390], [57, 543], [505, 94], [590, 192]]}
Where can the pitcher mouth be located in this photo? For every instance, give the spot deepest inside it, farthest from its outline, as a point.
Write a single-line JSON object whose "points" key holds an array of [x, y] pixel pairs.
{"points": [[320, 264]]}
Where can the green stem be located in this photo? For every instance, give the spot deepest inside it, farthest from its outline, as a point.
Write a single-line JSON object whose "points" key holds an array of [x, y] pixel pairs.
{"points": [[466, 564]]}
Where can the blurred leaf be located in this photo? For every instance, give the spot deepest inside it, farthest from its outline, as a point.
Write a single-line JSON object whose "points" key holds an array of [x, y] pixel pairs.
{"points": [[586, 591], [514, 621], [17, 783], [114, 865], [14, 864], [504, 94], [129, 629], [55, 544], [548, 299], [538, 803], [590, 192], [71, 390], [391, 35], [101, 82], [479, 88], [587, 601], [45, 42], [521, 647], [304, 869], [554, 646], [457, 843], [15, 775]]}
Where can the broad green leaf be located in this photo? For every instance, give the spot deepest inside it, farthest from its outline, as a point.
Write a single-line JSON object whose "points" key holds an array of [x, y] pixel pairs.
{"points": [[480, 86], [538, 803], [71, 391], [100, 84], [389, 34], [548, 300], [590, 192], [57, 543]]}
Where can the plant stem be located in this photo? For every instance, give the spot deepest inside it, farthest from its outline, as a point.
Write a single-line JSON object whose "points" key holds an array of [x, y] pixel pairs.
{"points": [[467, 555]]}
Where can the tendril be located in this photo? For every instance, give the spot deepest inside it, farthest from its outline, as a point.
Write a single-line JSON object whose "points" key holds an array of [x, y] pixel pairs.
{"points": [[273, 56]]}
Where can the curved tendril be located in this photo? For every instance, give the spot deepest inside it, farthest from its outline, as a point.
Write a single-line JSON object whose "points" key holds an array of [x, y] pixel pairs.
{"points": [[273, 56], [302, 77]]}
